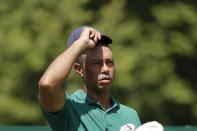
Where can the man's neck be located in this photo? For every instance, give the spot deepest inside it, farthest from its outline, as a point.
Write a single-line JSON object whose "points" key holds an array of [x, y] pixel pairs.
{"points": [[101, 96]]}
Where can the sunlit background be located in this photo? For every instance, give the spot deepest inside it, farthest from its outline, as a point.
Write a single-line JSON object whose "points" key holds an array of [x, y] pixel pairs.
{"points": [[154, 43]]}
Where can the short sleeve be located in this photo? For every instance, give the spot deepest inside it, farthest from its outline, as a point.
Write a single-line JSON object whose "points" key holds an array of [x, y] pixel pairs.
{"points": [[57, 121]]}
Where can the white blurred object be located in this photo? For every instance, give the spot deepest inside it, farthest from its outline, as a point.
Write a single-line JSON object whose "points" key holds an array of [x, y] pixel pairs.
{"points": [[128, 127], [150, 126]]}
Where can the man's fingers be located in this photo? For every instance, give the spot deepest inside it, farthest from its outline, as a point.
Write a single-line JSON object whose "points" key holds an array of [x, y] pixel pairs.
{"points": [[99, 35], [96, 37], [92, 36], [92, 33]]}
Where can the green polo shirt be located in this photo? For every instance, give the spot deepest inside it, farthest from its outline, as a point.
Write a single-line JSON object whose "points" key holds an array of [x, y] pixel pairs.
{"points": [[80, 113]]}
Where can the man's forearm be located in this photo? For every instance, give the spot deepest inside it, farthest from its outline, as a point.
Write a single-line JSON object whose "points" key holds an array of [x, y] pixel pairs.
{"points": [[51, 91], [59, 69]]}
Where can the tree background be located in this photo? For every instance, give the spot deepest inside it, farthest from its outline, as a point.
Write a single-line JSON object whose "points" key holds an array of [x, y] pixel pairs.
{"points": [[154, 43]]}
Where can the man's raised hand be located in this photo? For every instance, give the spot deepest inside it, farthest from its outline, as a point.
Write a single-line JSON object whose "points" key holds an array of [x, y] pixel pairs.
{"points": [[89, 37]]}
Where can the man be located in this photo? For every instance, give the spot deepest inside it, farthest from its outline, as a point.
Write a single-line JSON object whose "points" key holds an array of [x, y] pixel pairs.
{"points": [[91, 108]]}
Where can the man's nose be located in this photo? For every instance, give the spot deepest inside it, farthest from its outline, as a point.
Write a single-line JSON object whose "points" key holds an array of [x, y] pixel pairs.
{"points": [[105, 68]]}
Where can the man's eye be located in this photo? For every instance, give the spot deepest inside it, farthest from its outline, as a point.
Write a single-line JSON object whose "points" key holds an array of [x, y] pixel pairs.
{"points": [[96, 62], [110, 62]]}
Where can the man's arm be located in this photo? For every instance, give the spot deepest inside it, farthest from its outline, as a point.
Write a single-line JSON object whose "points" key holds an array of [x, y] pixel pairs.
{"points": [[51, 91]]}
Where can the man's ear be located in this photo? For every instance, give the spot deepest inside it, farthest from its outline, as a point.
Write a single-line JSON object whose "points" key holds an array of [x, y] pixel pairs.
{"points": [[78, 69]]}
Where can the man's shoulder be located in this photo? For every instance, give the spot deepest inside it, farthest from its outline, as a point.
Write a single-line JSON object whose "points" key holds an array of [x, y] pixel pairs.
{"points": [[78, 96], [127, 109]]}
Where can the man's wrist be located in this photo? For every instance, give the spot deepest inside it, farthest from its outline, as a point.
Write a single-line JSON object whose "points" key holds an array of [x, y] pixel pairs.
{"points": [[80, 44]]}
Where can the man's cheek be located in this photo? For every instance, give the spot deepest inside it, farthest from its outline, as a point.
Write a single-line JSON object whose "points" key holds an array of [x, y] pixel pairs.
{"points": [[113, 72]]}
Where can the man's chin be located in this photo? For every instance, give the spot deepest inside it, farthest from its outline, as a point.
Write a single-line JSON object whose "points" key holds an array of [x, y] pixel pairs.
{"points": [[104, 86]]}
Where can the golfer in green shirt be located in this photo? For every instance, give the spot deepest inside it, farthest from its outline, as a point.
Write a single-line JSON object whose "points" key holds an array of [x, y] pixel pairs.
{"points": [[91, 108]]}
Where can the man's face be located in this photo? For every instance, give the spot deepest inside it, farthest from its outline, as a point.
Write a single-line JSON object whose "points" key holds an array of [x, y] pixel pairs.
{"points": [[99, 68]]}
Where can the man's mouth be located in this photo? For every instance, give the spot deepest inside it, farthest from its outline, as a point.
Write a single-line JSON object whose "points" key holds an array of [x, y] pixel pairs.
{"points": [[105, 79]]}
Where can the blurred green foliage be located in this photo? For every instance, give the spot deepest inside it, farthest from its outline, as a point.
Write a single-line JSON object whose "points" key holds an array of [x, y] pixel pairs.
{"points": [[155, 45]]}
